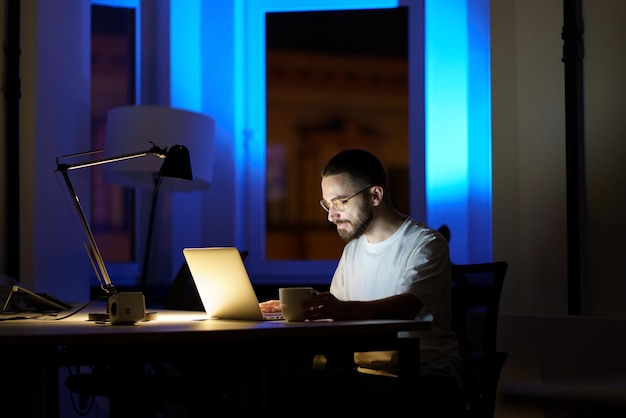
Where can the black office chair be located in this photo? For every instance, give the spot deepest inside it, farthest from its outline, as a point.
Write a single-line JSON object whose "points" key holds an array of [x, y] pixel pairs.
{"points": [[476, 290]]}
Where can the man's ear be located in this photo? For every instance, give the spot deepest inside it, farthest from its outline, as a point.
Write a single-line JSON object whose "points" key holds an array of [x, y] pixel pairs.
{"points": [[376, 194]]}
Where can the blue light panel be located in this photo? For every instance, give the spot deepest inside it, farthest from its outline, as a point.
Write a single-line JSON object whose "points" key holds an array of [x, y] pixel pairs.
{"points": [[185, 55], [458, 125]]}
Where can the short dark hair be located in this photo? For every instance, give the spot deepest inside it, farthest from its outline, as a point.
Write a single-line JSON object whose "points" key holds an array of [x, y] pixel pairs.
{"points": [[363, 168]]}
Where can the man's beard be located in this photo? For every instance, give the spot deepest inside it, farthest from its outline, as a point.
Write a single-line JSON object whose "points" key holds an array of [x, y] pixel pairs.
{"points": [[360, 224]]}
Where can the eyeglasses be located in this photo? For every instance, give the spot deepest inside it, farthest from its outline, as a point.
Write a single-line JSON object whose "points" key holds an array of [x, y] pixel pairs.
{"points": [[338, 204]]}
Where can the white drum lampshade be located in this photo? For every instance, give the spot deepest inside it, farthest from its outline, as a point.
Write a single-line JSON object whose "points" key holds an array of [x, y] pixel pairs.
{"points": [[133, 128]]}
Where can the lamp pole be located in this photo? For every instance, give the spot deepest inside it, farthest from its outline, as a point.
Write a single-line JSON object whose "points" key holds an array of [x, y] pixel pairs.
{"points": [[577, 239], [146, 257]]}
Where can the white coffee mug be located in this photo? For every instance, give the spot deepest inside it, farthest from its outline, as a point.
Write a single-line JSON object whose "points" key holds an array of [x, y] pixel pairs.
{"points": [[291, 300]]}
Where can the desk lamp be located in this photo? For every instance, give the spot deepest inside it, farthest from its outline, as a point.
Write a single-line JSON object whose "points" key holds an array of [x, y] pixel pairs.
{"points": [[124, 307]]}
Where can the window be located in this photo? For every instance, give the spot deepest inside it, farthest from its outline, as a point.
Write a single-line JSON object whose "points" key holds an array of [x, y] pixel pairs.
{"points": [[269, 146]]}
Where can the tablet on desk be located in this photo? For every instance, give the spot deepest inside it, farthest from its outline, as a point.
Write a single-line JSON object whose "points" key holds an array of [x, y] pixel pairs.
{"points": [[18, 299]]}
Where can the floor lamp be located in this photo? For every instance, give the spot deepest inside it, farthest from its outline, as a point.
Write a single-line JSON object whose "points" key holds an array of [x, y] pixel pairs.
{"points": [[127, 126]]}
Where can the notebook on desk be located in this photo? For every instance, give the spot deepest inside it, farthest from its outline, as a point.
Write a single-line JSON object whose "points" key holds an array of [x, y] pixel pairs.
{"points": [[223, 284]]}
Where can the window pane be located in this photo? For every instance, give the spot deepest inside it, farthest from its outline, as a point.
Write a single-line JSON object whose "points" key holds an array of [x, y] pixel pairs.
{"points": [[334, 80]]}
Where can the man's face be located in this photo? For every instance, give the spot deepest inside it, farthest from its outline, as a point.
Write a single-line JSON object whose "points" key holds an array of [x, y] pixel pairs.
{"points": [[357, 215]]}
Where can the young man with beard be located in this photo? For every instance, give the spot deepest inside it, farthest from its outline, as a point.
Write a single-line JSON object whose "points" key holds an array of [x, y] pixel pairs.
{"points": [[392, 267]]}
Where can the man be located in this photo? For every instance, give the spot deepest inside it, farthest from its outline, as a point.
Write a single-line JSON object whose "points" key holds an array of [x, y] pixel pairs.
{"points": [[392, 267]]}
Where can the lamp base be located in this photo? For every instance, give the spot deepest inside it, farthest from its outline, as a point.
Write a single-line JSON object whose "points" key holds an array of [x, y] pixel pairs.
{"points": [[124, 308]]}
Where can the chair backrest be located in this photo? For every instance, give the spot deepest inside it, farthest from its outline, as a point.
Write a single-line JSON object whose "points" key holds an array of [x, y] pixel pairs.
{"points": [[476, 290]]}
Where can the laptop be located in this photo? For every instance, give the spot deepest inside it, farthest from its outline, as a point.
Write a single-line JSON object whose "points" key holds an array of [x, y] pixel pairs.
{"points": [[223, 284]]}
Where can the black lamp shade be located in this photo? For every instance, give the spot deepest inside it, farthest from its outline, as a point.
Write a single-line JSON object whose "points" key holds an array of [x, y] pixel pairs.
{"points": [[177, 164]]}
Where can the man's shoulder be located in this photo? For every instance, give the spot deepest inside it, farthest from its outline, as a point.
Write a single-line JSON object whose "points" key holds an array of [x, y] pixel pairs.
{"points": [[415, 227], [421, 235]]}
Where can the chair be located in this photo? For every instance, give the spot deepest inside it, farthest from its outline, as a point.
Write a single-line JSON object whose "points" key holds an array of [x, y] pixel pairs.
{"points": [[476, 290]]}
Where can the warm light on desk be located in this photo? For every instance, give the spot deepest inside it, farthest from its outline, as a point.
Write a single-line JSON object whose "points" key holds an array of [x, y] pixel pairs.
{"points": [[181, 316]]}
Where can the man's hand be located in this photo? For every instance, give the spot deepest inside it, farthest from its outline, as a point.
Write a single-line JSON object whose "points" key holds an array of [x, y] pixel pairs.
{"points": [[270, 306], [324, 306]]}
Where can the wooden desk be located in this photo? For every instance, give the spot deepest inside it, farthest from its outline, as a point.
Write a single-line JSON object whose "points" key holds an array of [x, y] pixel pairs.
{"points": [[190, 336]]}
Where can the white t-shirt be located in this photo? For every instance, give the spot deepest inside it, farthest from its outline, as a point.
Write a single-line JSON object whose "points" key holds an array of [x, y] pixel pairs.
{"points": [[415, 259]]}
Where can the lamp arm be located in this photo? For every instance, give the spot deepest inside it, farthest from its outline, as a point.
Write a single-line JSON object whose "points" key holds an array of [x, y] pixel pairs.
{"points": [[159, 152], [93, 251]]}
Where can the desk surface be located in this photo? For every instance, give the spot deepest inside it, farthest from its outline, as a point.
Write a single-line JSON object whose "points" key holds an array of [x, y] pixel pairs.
{"points": [[180, 326]]}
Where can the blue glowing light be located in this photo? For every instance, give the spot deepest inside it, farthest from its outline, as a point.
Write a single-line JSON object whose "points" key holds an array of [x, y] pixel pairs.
{"points": [[185, 55], [458, 124]]}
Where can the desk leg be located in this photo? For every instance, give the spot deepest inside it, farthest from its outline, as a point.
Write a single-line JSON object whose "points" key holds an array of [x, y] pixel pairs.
{"points": [[238, 384], [409, 367], [253, 385], [52, 391], [255, 375]]}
